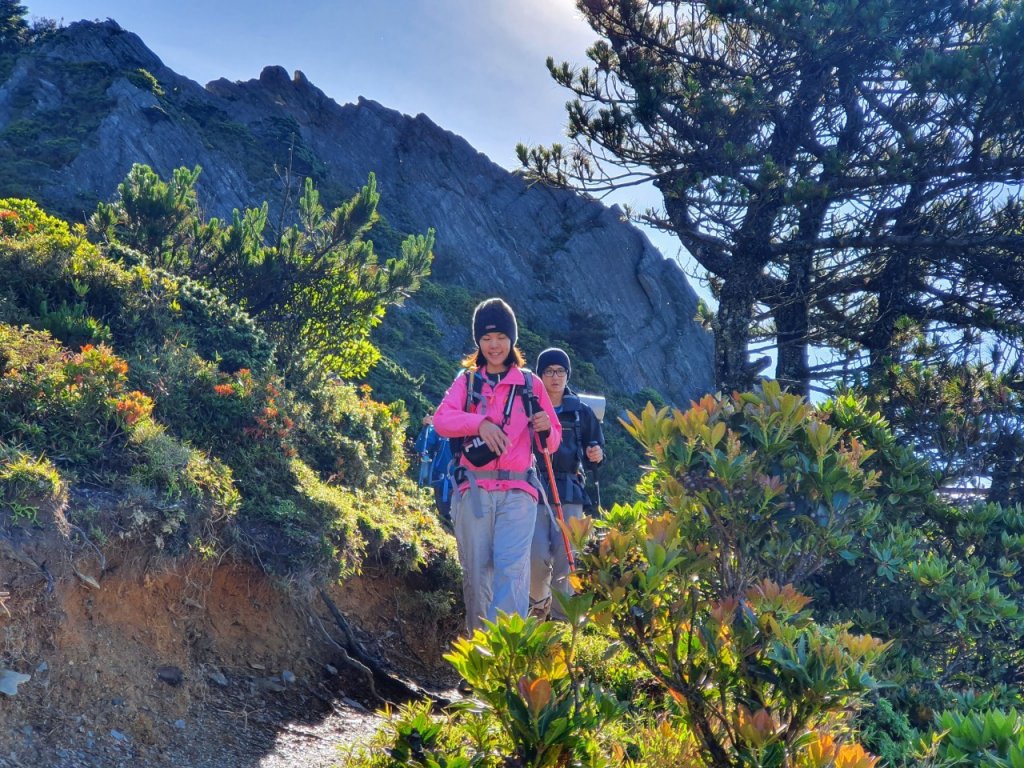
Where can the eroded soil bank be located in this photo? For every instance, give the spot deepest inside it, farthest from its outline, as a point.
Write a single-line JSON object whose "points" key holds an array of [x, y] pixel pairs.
{"points": [[136, 659]]}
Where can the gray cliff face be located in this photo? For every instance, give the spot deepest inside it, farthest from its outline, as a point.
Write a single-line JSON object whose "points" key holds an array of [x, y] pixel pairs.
{"points": [[559, 259]]}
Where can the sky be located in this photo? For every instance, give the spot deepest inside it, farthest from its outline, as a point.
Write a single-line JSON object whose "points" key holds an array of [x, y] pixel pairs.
{"points": [[474, 67]]}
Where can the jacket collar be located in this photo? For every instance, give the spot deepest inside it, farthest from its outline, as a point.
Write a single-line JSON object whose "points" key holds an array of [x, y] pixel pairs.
{"points": [[513, 376], [570, 402]]}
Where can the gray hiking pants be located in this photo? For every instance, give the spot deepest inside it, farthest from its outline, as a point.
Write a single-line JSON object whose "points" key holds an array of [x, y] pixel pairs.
{"points": [[549, 565], [494, 551]]}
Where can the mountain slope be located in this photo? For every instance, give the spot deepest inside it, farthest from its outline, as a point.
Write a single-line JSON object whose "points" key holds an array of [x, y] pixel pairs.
{"points": [[79, 107]]}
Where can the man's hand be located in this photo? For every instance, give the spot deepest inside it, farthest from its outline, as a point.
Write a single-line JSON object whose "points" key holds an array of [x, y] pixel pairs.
{"points": [[541, 422]]}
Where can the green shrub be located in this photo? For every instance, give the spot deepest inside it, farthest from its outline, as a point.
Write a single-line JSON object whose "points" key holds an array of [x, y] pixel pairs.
{"points": [[144, 79], [745, 494], [57, 404], [987, 739], [73, 326], [350, 438], [523, 673], [161, 306], [76, 407], [887, 733], [607, 662], [29, 484], [80, 294], [189, 423], [317, 288], [191, 494], [413, 735], [941, 579]]}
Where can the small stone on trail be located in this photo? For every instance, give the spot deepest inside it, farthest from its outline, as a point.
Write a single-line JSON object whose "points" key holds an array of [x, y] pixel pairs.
{"points": [[268, 684], [10, 680], [170, 675], [218, 678], [288, 676], [179, 724], [354, 704]]}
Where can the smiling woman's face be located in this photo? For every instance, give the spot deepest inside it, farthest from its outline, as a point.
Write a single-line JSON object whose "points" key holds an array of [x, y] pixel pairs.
{"points": [[495, 347]]}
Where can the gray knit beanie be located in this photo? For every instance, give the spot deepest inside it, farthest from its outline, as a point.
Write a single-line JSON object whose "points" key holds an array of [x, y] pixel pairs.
{"points": [[553, 356]]}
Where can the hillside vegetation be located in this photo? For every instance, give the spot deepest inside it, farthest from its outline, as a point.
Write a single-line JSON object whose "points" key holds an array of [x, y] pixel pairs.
{"points": [[119, 375]]}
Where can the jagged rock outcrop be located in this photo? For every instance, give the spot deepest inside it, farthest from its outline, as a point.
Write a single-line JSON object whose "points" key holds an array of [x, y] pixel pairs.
{"points": [[559, 259]]}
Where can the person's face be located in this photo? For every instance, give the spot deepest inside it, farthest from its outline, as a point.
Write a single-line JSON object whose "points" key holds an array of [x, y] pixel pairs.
{"points": [[495, 347], [555, 378]]}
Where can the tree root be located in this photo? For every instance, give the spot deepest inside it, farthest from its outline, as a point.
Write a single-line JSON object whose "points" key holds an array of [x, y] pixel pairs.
{"points": [[357, 657]]}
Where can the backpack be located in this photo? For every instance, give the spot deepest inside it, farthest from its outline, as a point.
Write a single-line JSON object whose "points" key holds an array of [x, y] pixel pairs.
{"points": [[439, 466]]}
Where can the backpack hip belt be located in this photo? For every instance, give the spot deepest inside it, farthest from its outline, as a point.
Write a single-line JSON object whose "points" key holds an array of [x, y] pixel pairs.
{"points": [[472, 475]]}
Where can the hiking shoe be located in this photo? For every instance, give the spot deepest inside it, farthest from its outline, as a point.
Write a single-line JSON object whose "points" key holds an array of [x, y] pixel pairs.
{"points": [[541, 609], [464, 687]]}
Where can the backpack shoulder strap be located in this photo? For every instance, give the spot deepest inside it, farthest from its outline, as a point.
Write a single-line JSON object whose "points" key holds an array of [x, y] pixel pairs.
{"points": [[474, 388], [527, 391], [472, 392], [469, 389]]}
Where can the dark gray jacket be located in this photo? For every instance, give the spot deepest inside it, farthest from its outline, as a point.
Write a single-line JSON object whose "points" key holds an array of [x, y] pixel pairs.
{"points": [[580, 428]]}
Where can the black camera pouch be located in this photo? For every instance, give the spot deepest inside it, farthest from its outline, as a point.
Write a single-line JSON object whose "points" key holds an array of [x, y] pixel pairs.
{"points": [[477, 452]]}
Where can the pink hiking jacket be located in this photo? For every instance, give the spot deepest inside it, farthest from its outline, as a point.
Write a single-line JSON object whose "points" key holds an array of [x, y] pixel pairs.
{"points": [[452, 420]]}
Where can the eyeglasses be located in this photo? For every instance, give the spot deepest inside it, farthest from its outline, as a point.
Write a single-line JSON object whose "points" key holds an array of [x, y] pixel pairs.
{"points": [[552, 373]]}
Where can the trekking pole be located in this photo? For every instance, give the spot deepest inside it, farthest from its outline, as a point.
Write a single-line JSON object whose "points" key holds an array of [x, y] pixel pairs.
{"points": [[597, 478], [534, 405], [558, 509]]}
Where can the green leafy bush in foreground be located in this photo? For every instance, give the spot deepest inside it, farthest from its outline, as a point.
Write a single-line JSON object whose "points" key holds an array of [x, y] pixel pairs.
{"points": [[986, 739], [742, 490], [756, 508]]}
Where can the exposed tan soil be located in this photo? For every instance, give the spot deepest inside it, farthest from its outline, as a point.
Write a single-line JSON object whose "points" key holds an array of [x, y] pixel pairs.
{"points": [[188, 663]]}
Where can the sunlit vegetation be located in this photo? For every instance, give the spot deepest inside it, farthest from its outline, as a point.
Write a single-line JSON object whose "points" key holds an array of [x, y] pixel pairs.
{"points": [[118, 374]]}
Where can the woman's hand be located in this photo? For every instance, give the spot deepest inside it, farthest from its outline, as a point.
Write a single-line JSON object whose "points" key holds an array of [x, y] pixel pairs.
{"points": [[541, 422], [494, 436]]}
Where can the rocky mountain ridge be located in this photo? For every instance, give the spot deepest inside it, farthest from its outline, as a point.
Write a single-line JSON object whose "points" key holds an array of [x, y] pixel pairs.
{"points": [[80, 107]]}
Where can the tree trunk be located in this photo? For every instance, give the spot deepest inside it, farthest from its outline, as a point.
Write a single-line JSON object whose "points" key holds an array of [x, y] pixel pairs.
{"points": [[791, 326], [732, 334]]}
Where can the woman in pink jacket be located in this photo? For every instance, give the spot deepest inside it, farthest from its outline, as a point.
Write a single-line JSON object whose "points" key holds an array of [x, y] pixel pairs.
{"points": [[495, 507]]}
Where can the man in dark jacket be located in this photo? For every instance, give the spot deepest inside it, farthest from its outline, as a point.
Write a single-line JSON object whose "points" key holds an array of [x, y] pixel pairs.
{"points": [[581, 450]]}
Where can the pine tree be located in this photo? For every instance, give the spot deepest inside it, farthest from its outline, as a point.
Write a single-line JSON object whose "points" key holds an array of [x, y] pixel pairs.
{"points": [[837, 168], [13, 27]]}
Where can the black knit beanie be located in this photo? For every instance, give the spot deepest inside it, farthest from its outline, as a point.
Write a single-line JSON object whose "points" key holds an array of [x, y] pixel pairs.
{"points": [[553, 356], [494, 316]]}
